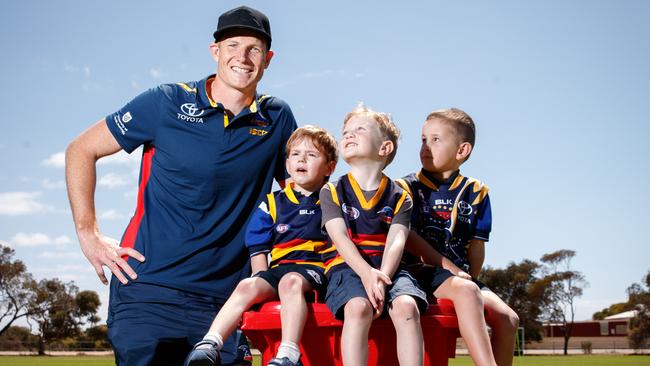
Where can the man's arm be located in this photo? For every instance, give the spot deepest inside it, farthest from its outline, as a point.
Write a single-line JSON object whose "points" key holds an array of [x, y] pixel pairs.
{"points": [[80, 174], [476, 256]]}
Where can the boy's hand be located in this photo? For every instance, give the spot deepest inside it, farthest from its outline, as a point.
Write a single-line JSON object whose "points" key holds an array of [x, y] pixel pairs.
{"points": [[375, 283], [464, 275]]}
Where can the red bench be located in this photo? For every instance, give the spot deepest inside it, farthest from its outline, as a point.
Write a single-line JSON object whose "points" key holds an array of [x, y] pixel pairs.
{"points": [[320, 344]]}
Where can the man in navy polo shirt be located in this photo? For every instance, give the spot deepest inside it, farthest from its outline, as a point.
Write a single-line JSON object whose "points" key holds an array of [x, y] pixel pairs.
{"points": [[211, 149]]}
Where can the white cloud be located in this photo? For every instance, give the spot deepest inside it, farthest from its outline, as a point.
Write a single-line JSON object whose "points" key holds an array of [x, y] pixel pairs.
{"points": [[56, 160], [22, 203], [155, 73], [39, 239], [87, 72], [53, 184], [111, 215], [61, 255], [112, 180]]}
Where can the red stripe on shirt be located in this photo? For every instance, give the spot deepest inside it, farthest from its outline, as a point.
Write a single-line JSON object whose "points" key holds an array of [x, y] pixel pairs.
{"points": [[128, 241]]}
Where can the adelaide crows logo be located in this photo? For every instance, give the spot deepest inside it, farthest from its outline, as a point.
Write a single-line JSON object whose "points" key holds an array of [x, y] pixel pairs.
{"points": [[386, 215]]}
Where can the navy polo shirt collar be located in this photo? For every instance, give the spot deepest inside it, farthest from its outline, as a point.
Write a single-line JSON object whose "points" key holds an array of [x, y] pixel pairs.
{"points": [[205, 101]]}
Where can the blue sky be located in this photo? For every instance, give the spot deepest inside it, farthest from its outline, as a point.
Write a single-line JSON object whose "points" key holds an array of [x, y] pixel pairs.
{"points": [[559, 92]]}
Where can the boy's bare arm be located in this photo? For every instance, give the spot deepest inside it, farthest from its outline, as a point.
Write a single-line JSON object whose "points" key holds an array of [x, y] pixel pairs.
{"points": [[395, 241], [417, 246], [370, 277], [476, 256], [259, 262]]}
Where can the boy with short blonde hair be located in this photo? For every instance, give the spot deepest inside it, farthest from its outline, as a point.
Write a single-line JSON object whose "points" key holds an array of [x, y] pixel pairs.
{"points": [[367, 219], [451, 221], [287, 227]]}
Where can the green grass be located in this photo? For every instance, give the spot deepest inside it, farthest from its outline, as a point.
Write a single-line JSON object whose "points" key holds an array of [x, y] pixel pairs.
{"points": [[68, 361], [593, 360]]}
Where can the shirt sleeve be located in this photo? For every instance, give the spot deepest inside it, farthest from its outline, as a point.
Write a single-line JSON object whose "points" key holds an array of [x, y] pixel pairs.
{"points": [[259, 232], [281, 173], [403, 216], [483, 220], [329, 209], [137, 122]]}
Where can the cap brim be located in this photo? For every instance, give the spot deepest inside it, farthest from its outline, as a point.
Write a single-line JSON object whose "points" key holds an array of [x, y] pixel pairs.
{"points": [[221, 33]]}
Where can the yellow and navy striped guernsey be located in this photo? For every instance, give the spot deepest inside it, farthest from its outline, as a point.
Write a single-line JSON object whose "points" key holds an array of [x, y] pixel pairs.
{"points": [[367, 221], [288, 225], [449, 214]]}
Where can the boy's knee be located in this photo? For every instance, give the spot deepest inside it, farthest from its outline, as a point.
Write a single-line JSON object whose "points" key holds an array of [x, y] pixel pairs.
{"points": [[507, 319], [291, 283], [464, 289], [358, 308], [404, 307], [248, 286]]}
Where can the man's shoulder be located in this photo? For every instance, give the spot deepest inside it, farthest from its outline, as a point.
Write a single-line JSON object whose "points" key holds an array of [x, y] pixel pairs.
{"points": [[272, 105]]}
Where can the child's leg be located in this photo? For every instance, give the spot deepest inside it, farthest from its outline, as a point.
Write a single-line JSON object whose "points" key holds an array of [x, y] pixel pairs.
{"points": [[248, 292], [354, 338], [504, 323], [468, 303], [405, 315], [293, 312]]}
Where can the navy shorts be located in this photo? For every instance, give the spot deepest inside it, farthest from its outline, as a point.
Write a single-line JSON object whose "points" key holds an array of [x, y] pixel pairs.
{"points": [[313, 274], [153, 325], [430, 277], [344, 285]]}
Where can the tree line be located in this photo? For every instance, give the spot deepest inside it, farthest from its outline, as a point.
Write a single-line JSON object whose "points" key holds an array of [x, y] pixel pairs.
{"points": [[537, 291], [57, 309], [546, 291]]}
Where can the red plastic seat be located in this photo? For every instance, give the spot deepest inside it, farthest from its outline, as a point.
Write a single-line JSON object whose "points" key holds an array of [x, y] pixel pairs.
{"points": [[320, 344]]}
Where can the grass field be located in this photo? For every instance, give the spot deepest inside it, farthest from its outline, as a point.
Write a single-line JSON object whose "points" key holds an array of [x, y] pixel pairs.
{"points": [[604, 360]]}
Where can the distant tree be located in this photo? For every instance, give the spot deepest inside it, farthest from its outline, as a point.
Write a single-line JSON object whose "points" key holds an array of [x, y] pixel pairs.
{"points": [[613, 309], [639, 331], [17, 339], [56, 311], [87, 305], [15, 288], [562, 285], [518, 286]]}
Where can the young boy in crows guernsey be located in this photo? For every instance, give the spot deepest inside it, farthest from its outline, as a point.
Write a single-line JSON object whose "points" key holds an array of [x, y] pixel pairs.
{"points": [[287, 224], [367, 218], [451, 221]]}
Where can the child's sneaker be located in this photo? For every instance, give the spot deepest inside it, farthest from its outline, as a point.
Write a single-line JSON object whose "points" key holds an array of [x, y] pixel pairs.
{"points": [[204, 353], [283, 362]]}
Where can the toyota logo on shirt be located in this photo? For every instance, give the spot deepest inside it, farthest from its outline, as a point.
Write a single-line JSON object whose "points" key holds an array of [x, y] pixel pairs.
{"points": [[190, 109]]}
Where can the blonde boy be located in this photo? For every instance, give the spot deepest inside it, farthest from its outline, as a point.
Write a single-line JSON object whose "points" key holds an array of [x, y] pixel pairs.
{"points": [[286, 225], [367, 218], [452, 217]]}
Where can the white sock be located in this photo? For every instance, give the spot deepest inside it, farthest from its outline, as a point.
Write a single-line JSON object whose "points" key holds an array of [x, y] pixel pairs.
{"points": [[216, 338], [289, 350]]}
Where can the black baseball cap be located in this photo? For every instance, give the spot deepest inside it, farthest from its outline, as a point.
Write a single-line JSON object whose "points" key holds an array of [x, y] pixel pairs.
{"points": [[244, 17]]}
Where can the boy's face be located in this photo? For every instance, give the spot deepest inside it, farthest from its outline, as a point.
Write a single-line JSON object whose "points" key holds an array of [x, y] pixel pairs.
{"points": [[308, 166], [441, 148], [361, 139]]}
